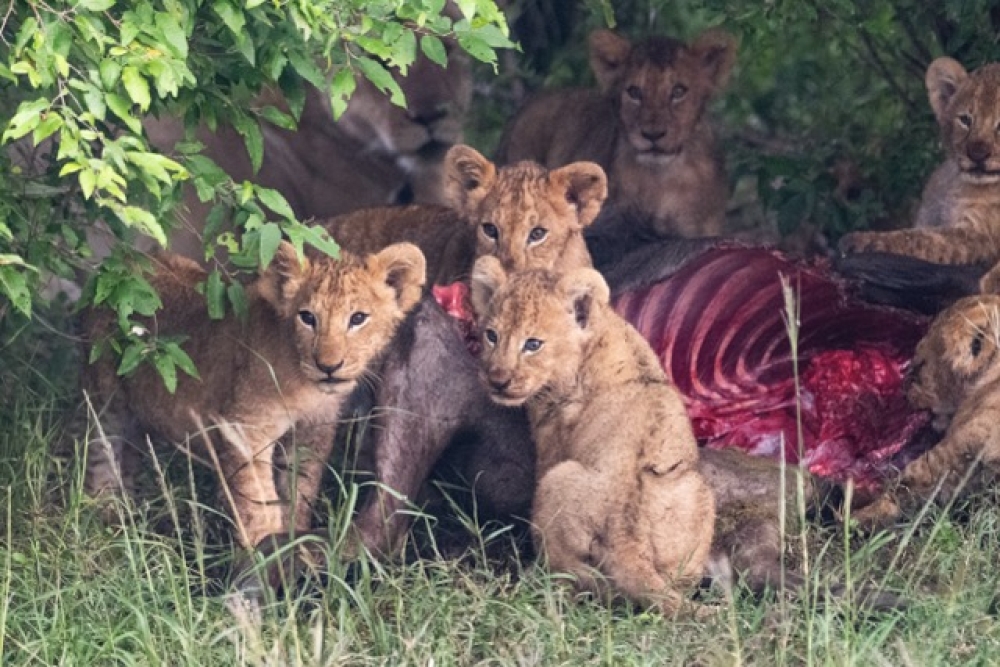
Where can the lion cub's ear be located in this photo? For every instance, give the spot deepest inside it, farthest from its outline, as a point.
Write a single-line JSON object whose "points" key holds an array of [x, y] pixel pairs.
{"points": [[609, 52], [488, 276], [583, 288], [468, 176], [716, 50], [943, 78], [584, 185], [283, 277], [403, 267]]}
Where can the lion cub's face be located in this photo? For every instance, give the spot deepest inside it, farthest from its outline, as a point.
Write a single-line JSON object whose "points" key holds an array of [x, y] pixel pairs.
{"points": [[660, 86], [342, 312], [525, 215], [957, 356], [535, 326], [967, 108]]}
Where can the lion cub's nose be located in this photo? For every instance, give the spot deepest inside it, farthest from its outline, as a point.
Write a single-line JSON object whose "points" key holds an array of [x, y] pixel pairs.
{"points": [[653, 137], [329, 369], [978, 151], [499, 379]]}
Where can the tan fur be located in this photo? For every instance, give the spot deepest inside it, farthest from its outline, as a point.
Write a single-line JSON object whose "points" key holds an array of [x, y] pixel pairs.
{"points": [[619, 500], [955, 375], [284, 371], [959, 217], [645, 126], [524, 214]]}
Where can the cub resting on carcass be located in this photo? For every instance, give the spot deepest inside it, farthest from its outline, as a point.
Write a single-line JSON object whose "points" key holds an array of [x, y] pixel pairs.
{"points": [[959, 217], [313, 327], [645, 126], [956, 376], [619, 500]]}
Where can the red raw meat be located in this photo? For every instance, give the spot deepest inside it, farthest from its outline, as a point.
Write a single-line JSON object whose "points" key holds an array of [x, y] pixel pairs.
{"points": [[718, 326]]}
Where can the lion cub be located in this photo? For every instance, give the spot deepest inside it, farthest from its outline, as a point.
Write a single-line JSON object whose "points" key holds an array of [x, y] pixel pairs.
{"points": [[645, 126], [525, 214], [619, 500], [958, 221], [955, 375], [312, 329]]}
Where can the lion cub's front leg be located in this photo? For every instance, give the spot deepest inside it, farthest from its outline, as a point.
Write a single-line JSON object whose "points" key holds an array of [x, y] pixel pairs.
{"points": [[972, 439], [957, 245], [252, 464]]}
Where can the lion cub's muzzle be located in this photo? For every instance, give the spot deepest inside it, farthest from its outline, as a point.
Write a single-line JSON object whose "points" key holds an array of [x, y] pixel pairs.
{"points": [[499, 381]]}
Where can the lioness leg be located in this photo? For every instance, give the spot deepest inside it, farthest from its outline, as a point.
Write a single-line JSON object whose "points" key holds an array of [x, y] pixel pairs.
{"points": [[958, 245]]}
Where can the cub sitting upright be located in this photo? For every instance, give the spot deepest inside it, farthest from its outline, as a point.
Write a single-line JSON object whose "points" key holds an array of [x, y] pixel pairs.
{"points": [[313, 327], [958, 221], [619, 499], [645, 126]]}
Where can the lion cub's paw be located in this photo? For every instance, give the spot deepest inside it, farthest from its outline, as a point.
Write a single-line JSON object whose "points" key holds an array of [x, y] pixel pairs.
{"points": [[881, 513]]}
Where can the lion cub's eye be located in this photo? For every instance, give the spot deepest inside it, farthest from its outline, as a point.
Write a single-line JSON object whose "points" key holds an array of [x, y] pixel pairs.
{"points": [[358, 318], [634, 92], [491, 231], [977, 345], [537, 234], [533, 345], [307, 318], [491, 336], [678, 93], [965, 120]]}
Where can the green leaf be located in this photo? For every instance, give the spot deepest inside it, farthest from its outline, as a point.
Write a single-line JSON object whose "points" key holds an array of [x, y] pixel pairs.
{"points": [[47, 127], [252, 137], [341, 89], [181, 359], [167, 369], [14, 285], [477, 48], [120, 107], [279, 118], [137, 87], [382, 79], [110, 71], [433, 48], [97, 5], [230, 15], [143, 220], [238, 298], [131, 357], [270, 238], [275, 201], [173, 34], [26, 119], [215, 294]]}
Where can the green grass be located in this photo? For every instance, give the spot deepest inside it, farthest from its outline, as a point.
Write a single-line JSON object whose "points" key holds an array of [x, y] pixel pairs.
{"points": [[74, 591]]}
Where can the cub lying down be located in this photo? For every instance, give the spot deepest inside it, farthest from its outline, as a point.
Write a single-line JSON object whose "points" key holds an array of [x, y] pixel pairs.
{"points": [[619, 500], [312, 330], [956, 376]]}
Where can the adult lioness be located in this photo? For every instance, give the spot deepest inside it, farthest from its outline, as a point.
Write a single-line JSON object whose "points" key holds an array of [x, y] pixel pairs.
{"points": [[524, 214], [376, 153], [312, 329], [645, 125], [959, 217], [619, 498]]}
